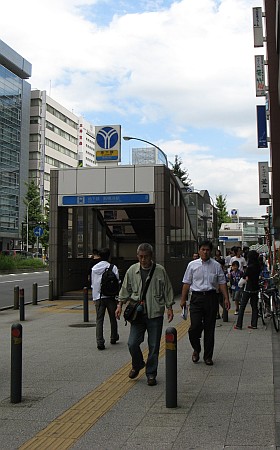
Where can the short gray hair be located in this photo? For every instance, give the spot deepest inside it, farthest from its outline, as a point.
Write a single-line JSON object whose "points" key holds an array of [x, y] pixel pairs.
{"points": [[145, 247]]}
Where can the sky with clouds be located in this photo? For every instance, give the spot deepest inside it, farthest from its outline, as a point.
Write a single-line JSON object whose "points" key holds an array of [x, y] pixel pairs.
{"points": [[179, 74]]}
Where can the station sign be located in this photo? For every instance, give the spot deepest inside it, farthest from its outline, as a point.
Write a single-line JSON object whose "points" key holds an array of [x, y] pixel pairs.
{"points": [[108, 143], [105, 199]]}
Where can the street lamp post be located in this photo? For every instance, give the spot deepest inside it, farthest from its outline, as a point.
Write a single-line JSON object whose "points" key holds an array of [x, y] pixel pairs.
{"points": [[128, 138]]}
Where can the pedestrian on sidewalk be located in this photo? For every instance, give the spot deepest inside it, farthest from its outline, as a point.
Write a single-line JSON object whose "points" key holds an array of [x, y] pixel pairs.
{"points": [[204, 277], [104, 302], [234, 276], [238, 257], [251, 288], [158, 297], [95, 258]]}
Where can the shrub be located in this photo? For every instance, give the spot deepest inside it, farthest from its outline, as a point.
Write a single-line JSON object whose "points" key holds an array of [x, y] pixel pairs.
{"points": [[17, 262]]}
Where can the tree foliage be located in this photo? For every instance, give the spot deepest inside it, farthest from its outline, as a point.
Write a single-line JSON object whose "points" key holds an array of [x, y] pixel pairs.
{"points": [[36, 215], [221, 205], [180, 172]]}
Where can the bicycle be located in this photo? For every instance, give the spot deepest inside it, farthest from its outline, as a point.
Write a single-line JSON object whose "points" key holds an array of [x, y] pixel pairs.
{"points": [[269, 303], [264, 301]]}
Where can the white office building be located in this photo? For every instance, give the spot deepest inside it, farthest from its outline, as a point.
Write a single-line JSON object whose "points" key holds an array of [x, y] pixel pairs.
{"points": [[58, 139]]}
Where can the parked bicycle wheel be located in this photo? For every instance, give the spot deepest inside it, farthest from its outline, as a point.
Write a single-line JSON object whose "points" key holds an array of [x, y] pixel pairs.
{"points": [[262, 309], [275, 310]]}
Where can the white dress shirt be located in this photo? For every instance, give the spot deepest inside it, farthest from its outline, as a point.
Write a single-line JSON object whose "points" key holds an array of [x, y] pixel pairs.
{"points": [[204, 275]]}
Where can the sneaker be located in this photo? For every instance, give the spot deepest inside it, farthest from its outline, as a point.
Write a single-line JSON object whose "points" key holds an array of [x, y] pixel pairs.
{"points": [[151, 380], [114, 341], [236, 313], [252, 328], [237, 328]]}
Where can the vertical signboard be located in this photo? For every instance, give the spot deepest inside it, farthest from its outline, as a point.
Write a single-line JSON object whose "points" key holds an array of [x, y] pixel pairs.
{"points": [[260, 76], [258, 28], [107, 143], [261, 126], [263, 183], [234, 215]]}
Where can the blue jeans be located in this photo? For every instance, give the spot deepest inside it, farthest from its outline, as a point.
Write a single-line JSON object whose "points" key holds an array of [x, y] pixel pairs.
{"points": [[136, 337]]}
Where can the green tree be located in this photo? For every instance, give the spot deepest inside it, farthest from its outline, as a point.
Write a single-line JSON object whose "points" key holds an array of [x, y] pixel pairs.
{"points": [[35, 213], [45, 225], [180, 172], [221, 205]]}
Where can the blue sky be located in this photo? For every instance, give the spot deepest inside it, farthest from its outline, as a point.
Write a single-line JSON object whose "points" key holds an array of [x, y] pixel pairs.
{"points": [[178, 74]]}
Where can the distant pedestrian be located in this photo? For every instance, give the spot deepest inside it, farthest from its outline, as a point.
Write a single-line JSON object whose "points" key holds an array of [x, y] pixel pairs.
{"points": [[195, 255], [103, 302], [204, 277], [220, 294], [158, 297], [229, 255], [238, 257], [251, 288], [218, 255], [95, 258], [234, 276]]}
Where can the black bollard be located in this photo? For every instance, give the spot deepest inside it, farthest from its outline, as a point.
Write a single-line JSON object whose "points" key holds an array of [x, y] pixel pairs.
{"points": [[225, 313], [21, 305], [171, 367], [85, 304], [16, 297], [50, 289], [35, 294], [16, 363]]}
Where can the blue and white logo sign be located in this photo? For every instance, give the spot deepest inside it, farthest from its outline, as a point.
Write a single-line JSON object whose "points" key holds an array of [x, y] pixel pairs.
{"points": [[234, 212], [107, 143]]}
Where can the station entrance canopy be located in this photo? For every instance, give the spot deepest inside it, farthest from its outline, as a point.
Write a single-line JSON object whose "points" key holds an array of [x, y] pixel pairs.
{"points": [[117, 207]]}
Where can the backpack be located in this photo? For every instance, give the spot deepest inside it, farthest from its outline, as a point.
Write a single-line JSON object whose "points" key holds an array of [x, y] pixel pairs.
{"points": [[109, 286]]}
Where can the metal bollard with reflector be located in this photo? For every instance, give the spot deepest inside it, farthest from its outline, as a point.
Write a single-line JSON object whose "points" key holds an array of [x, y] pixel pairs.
{"points": [[85, 296], [16, 363], [21, 305], [171, 367]]}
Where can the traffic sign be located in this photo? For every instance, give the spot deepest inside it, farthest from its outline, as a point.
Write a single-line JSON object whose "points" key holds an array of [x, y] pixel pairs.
{"points": [[38, 231]]}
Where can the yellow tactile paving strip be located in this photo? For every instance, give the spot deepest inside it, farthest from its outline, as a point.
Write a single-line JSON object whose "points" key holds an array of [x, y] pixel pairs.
{"points": [[66, 429]]}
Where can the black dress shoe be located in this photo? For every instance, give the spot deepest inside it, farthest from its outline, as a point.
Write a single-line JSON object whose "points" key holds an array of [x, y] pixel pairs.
{"points": [[195, 357], [208, 362], [101, 347]]}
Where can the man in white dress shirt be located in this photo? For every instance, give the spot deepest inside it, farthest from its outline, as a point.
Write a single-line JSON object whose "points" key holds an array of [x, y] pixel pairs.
{"points": [[204, 277]]}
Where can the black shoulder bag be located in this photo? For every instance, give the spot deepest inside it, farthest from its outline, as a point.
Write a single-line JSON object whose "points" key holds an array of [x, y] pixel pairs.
{"points": [[130, 312]]}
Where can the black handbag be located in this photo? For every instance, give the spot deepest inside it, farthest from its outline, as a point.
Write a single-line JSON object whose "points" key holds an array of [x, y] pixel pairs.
{"points": [[130, 312]]}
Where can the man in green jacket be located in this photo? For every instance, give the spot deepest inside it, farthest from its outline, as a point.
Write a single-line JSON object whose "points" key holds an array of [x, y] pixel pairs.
{"points": [[158, 297]]}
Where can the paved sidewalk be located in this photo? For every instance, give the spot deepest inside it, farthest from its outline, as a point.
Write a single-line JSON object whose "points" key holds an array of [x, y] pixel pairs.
{"points": [[76, 396]]}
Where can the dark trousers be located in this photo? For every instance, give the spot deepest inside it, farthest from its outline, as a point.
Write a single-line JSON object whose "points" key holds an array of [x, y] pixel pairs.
{"points": [[203, 311], [101, 305], [253, 297]]}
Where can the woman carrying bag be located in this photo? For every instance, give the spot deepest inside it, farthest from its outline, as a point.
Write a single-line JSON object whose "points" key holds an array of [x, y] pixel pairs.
{"points": [[250, 281]]}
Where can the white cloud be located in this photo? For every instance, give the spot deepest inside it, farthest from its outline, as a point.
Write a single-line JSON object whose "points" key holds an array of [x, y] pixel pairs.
{"points": [[189, 65]]}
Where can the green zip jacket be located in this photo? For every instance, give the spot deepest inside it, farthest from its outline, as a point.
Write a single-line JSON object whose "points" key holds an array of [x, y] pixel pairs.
{"points": [[159, 294]]}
